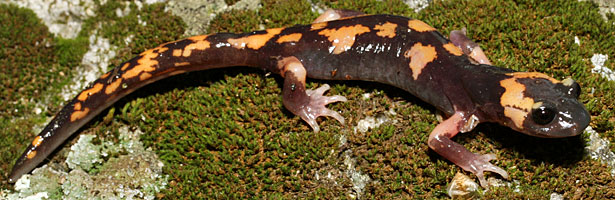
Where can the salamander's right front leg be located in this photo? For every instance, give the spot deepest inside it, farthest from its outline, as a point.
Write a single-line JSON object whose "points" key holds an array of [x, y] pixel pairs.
{"points": [[307, 104], [440, 141]]}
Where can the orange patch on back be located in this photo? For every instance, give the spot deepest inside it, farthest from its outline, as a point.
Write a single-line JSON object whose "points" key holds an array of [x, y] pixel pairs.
{"points": [[31, 154], [420, 56], [451, 48], [344, 37], [254, 41], [318, 26], [199, 44], [79, 114], [77, 106], [37, 141], [295, 37], [95, 89], [386, 30], [419, 26], [113, 86]]}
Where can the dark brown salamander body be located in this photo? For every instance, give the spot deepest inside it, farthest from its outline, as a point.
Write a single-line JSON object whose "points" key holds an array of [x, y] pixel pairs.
{"points": [[394, 50]]}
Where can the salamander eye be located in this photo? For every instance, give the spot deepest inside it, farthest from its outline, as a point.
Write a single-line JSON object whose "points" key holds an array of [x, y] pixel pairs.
{"points": [[543, 113]]}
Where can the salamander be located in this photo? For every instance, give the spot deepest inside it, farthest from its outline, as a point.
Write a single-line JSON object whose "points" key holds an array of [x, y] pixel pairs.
{"points": [[452, 75]]}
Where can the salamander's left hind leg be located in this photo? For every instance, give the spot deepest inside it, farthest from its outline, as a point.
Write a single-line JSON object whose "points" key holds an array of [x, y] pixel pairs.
{"points": [[469, 47], [331, 14], [307, 104]]}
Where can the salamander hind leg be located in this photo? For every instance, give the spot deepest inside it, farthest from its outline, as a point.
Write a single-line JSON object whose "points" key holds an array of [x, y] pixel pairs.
{"points": [[307, 104], [331, 14], [469, 47]]}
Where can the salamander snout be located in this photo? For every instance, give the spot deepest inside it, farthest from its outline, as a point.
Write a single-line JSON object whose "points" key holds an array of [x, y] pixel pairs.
{"points": [[553, 119], [556, 112]]}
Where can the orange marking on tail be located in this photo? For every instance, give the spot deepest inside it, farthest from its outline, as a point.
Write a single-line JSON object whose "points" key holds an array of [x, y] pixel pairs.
{"points": [[199, 43], [146, 64], [113, 86], [79, 114], [37, 141], [31, 154], [95, 89], [255, 41]]}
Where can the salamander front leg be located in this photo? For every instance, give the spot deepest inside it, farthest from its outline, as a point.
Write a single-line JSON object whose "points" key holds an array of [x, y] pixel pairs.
{"points": [[307, 104], [440, 142]]}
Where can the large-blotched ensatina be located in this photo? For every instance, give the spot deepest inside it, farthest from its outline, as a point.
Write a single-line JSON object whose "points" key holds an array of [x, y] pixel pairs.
{"points": [[454, 76]]}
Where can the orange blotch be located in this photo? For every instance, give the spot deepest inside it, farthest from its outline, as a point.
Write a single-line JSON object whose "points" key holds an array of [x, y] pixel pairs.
{"points": [[516, 104], [344, 37], [105, 75], [95, 89], [386, 30], [419, 26], [177, 52], [420, 56], [533, 75], [77, 106], [318, 26], [199, 44], [145, 76], [254, 41], [180, 64], [125, 66], [31, 154], [79, 114], [295, 37], [113, 86], [451, 48], [161, 49], [146, 64], [37, 141]]}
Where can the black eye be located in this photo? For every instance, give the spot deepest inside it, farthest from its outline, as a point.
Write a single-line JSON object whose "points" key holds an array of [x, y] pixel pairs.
{"points": [[543, 115]]}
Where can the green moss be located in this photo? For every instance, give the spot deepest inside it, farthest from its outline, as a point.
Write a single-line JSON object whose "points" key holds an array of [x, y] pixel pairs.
{"points": [[32, 65]]}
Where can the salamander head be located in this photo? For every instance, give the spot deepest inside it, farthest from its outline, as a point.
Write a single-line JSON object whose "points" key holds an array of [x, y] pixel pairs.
{"points": [[538, 105]]}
